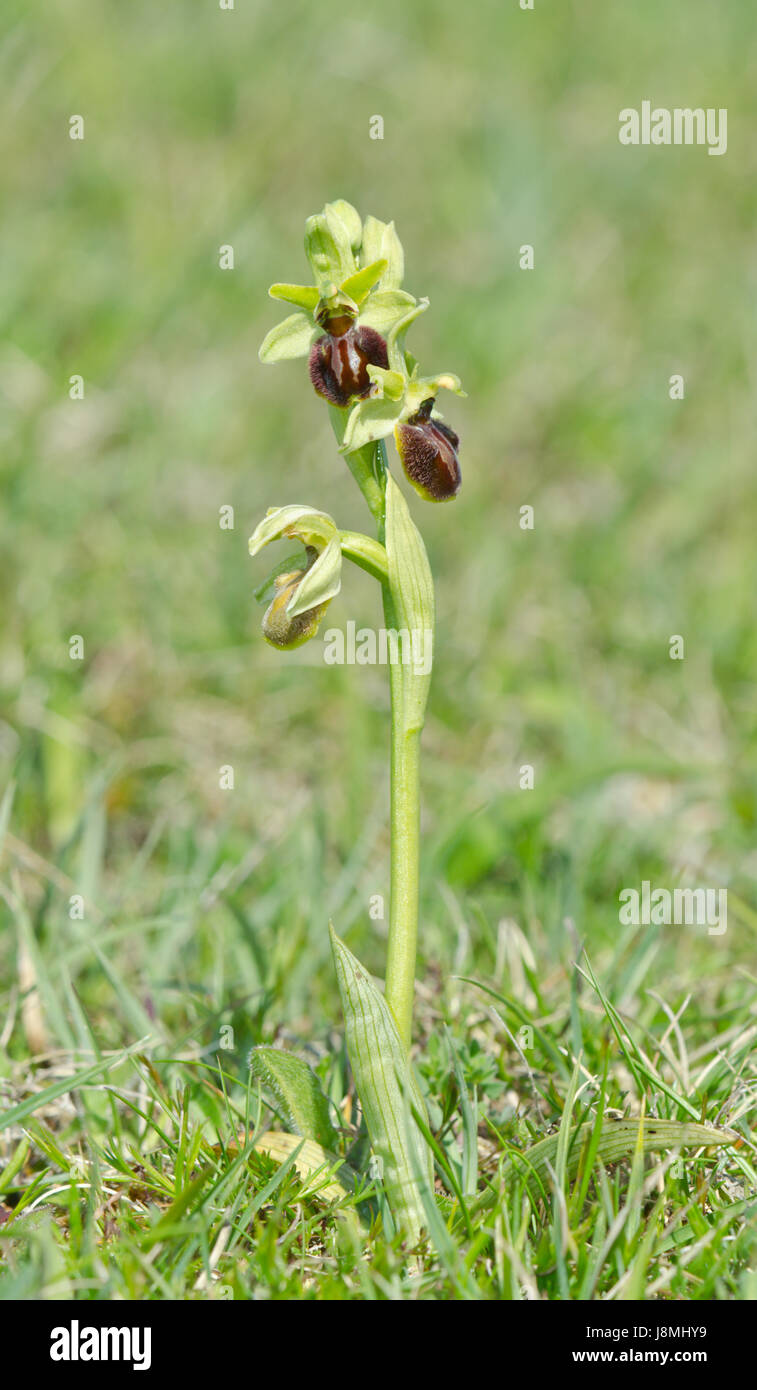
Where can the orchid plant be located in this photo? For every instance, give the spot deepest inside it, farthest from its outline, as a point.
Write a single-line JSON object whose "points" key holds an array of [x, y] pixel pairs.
{"points": [[351, 324]]}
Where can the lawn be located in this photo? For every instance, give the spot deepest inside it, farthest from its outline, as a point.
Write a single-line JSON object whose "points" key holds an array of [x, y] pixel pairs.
{"points": [[158, 922]]}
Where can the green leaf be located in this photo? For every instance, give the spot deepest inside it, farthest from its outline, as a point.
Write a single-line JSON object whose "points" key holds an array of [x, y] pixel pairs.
{"points": [[387, 1089], [297, 1093], [380, 242], [306, 296], [370, 420], [323, 1174], [293, 337], [618, 1139], [412, 590]]}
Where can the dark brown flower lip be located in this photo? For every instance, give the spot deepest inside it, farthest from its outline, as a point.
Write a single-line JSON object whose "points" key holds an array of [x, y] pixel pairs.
{"points": [[338, 363], [428, 450]]}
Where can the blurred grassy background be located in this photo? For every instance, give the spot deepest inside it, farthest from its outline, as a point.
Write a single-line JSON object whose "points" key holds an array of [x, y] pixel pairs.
{"points": [[205, 127]]}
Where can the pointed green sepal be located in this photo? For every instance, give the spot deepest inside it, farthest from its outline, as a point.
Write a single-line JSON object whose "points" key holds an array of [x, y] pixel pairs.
{"points": [[380, 242], [350, 218], [293, 337], [384, 308], [295, 522], [370, 420], [328, 248], [321, 582], [396, 335]]}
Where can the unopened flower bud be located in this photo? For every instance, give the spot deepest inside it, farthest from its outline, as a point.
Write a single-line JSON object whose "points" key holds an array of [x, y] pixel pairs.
{"points": [[339, 361], [428, 449], [279, 628]]}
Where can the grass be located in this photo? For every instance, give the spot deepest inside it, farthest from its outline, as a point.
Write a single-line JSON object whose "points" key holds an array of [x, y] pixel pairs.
{"points": [[205, 910]]}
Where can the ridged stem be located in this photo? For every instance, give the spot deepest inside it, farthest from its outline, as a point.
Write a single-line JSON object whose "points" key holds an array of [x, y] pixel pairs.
{"points": [[368, 466]]}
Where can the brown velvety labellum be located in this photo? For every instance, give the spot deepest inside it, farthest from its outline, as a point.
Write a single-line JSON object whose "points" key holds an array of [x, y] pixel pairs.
{"points": [[338, 363], [428, 449]]}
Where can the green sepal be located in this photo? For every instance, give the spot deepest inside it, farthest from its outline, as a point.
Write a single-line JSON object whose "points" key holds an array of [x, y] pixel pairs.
{"points": [[328, 248], [350, 218], [293, 337], [321, 582], [384, 308], [370, 420], [295, 522], [395, 337], [318, 531], [297, 1093], [380, 242], [267, 590]]}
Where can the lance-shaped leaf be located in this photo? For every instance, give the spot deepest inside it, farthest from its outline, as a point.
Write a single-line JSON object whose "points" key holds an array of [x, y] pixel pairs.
{"points": [[293, 337], [613, 1141], [297, 1093], [387, 1089], [324, 1173], [412, 591]]}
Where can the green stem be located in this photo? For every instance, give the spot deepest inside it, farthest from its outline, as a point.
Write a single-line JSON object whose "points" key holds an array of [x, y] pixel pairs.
{"points": [[368, 467], [361, 466], [405, 853], [404, 829], [370, 555]]}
